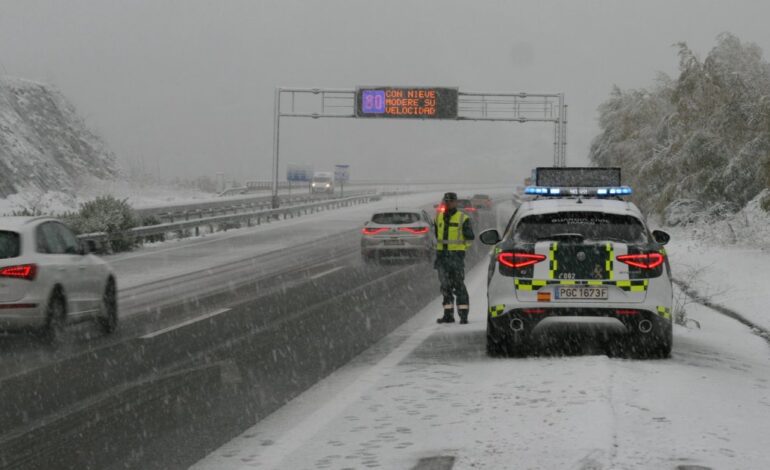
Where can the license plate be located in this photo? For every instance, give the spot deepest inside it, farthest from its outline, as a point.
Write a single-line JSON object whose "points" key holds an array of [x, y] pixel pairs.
{"points": [[394, 242], [581, 293]]}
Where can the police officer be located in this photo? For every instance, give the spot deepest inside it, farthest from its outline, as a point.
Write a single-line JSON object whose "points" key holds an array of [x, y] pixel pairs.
{"points": [[454, 234]]}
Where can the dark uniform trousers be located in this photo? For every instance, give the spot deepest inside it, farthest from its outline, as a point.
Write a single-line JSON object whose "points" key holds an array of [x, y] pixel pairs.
{"points": [[451, 275]]}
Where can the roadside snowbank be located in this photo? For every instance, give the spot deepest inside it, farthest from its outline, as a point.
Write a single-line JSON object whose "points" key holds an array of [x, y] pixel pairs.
{"points": [[733, 276], [749, 227]]}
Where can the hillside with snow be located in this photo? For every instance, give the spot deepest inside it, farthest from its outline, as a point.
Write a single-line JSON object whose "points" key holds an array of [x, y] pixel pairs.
{"points": [[44, 144]]}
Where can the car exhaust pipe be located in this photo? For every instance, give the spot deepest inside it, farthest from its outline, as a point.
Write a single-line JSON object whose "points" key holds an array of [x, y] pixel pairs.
{"points": [[645, 326], [517, 324]]}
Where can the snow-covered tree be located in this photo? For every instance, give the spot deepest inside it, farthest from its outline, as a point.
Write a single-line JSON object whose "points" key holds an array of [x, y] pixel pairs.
{"points": [[702, 137]]}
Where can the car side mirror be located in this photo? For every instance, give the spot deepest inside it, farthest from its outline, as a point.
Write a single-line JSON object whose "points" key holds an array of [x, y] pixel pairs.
{"points": [[661, 237], [490, 237]]}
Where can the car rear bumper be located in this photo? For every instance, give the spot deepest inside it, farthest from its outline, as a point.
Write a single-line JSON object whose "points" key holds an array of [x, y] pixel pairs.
{"points": [[535, 320], [405, 251], [21, 314]]}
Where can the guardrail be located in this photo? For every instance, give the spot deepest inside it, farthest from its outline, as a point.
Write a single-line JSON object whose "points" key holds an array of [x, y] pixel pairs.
{"points": [[223, 207], [252, 186], [249, 218]]}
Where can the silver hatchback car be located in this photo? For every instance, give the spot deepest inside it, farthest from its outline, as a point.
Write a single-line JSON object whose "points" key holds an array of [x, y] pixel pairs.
{"points": [[398, 234]]}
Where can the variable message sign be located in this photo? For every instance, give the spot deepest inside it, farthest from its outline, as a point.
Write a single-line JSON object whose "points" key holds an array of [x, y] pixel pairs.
{"points": [[407, 102]]}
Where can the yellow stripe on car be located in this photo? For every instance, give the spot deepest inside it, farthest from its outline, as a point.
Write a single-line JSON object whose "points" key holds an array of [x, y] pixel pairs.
{"points": [[496, 310], [636, 285], [553, 265], [664, 312]]}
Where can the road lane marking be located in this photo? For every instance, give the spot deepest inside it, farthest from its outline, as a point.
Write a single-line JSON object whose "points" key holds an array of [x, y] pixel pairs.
{"points": [[322, 274], [185, 323]]}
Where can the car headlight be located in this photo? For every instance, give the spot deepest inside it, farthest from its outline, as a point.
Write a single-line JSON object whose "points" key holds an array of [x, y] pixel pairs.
{"points": [[327, 185]]}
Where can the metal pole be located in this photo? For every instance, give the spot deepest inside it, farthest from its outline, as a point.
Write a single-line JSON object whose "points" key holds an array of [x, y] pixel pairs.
{"points": [[276, 137], [555, 143], [557, 157], [564, 140]]}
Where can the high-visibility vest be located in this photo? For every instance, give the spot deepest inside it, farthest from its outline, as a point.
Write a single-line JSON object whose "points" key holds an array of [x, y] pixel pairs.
{"points": [[454, 240]]}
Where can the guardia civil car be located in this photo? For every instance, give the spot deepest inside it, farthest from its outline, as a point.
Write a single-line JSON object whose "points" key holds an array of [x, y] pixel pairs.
{"points": [[575, 260]]}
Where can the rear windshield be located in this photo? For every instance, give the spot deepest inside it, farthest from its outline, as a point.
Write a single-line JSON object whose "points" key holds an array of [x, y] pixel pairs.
{"points": [[596, 226], [480, 196], [396, 218], [464, 203], [10, 246]]}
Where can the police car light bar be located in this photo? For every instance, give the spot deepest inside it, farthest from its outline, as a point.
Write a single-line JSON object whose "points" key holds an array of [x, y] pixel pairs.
{"points": [[552, 191]]}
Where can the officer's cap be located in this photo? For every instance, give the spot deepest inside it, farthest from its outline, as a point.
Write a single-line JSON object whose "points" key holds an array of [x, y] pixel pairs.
{"points": [[450, 196]]}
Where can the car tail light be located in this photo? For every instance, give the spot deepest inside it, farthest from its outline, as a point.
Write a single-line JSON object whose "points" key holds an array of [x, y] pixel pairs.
{"points": [[519, 260], [625, 311], [22, 271], [373, 230], [415, 230], [470, 209], [441, 208], [537, 311], [642, 260]]}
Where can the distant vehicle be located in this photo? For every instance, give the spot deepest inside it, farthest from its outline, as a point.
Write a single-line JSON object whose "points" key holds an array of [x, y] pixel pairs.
{"points": [[482, 201], [48, 279], [576, 262], [322, 182], [465, 205], [400, 233]]}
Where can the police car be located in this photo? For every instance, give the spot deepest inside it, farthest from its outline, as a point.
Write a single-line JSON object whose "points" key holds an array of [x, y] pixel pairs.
{"points": [[579, 259]]}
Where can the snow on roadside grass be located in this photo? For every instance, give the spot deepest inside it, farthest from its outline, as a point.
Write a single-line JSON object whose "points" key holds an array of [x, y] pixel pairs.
{"points": [[429, 390], [732, 276], [57, 202]]}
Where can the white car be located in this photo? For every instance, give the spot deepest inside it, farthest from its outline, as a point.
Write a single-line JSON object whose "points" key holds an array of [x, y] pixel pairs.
{"points": [[47, 279], [579, 263], [322, 184], [397, 234]]}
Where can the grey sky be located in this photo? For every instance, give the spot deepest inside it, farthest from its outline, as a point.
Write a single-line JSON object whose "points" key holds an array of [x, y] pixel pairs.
{"points": [[190, 83]]}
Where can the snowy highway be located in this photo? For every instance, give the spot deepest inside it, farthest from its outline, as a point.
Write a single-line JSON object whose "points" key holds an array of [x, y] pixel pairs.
{"points": [[206, 309], [428, 397], [396, 235], [170, 283]]}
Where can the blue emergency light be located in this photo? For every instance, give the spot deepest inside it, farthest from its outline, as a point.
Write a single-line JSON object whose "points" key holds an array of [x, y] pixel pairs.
{"points": [[553, 191]]}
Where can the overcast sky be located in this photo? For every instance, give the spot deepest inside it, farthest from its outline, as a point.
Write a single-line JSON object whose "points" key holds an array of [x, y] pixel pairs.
{"points": [[189, 83]]}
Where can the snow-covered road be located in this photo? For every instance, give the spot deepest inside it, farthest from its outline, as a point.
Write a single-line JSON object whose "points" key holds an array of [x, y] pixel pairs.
{"points": [[429, 391], [177, 257]]}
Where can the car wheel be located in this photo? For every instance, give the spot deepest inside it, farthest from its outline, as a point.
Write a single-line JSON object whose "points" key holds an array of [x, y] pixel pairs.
{"points": [[495, 346], [653, 345], [56, 316], [108, 320], [518, 346]]}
